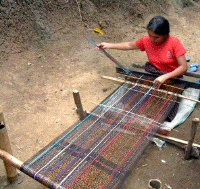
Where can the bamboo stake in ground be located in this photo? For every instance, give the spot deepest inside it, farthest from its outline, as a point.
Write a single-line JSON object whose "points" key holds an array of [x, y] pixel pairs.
{"points": [[195, 123], [79, 107], [5, 145], [145, 86]]}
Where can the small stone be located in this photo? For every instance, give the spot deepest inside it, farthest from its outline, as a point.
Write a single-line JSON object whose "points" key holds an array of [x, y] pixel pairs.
{"points": [[163, 161], [105, 89]]}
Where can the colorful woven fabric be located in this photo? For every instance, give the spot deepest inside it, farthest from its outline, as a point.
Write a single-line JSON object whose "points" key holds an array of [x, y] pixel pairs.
{"points": [[102, 149]]}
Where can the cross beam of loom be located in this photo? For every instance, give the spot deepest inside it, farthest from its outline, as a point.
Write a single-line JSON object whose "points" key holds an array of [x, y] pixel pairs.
{"points": [[105, 145]]}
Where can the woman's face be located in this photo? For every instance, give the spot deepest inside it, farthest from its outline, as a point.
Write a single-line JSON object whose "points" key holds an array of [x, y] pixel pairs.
{"points": [[155, 38]]}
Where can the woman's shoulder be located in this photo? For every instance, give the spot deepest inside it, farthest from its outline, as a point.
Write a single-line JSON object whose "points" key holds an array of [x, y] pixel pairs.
{"points": [[144, 38], [175, 43], [173, 39]]}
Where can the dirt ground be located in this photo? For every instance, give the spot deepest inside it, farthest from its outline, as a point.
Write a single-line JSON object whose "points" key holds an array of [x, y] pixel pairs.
{"points": [[37, 82]]}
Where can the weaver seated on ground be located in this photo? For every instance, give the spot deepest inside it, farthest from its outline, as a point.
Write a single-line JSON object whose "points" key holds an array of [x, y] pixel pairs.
{"points": [[166, 54]]}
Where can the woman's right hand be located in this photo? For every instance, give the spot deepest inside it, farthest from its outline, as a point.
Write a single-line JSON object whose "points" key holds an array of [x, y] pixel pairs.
{"points": [[103, 45]]}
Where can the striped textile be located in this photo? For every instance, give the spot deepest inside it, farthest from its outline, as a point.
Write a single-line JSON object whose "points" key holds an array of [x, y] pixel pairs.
{"points": [[102, 149]]}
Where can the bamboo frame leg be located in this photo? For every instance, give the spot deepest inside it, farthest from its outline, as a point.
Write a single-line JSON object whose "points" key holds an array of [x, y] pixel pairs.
{"points": [[79, 107], [5, 145], [188, 150]]}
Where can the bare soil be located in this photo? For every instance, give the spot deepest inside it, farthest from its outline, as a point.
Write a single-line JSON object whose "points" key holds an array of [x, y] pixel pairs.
{"points": [[45, 56]]}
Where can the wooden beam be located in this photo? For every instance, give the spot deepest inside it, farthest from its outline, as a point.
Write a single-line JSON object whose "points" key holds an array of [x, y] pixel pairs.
{"points": [[145, 86], [192, 74], [178, 142]]}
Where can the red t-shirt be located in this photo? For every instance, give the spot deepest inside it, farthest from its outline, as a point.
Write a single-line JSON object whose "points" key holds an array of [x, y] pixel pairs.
{"points": [[164, 56]]}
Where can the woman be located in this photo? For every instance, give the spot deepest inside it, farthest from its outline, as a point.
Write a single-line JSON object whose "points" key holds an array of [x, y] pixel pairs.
{"points": [[165, 53]]}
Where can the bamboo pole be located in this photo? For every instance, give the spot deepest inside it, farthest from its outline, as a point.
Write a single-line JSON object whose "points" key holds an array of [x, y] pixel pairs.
{"points": [[79, 107], [188, 149], [5, 145], [5, 156], [145, 86]]}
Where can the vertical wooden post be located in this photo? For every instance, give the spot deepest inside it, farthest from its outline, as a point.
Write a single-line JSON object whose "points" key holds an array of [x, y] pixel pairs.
{"points": [[188, 149], [5, 145], [79, 107]]}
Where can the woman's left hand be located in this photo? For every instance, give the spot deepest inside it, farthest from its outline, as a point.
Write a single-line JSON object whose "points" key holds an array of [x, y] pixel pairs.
{"points": [[159, 81]]}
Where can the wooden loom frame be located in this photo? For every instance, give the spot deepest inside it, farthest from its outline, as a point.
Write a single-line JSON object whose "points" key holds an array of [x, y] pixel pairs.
{"points": [[11, 163]]}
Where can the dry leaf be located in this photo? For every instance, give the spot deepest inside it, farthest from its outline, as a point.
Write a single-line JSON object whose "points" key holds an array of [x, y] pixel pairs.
{"points": [[98, 30]]}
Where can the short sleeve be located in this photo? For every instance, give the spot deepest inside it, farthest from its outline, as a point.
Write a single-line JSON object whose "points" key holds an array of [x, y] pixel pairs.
{"points": [[178, 48], [140, 43]]}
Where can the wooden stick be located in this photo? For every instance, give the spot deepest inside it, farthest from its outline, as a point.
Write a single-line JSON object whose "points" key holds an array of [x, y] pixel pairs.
{"points": [[108, 55], [145, 86], [5, 145], [178, 142], [195, 123], [152, 82], [79, 107]]}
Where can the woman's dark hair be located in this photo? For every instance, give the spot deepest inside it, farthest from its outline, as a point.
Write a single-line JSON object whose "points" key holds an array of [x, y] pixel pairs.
{"points": [[159, 25]]}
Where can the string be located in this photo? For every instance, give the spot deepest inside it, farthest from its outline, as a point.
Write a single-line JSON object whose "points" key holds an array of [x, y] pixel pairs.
{"points": [[112, 140], [71, 130], [106, 145], [133, 146], [157, 123], [72, 141], [79, 146], [97, 136], [175, 101], [100, 143]]}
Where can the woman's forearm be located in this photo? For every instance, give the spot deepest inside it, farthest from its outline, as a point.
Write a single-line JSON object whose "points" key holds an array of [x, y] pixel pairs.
{"points": [[119, 46], [181, 69], [177, 72]]}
